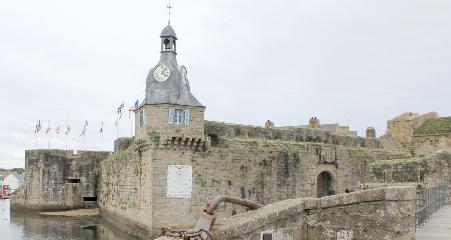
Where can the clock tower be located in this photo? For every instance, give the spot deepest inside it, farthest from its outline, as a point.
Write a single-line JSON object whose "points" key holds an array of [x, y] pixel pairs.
{"points": [[169, 115]]}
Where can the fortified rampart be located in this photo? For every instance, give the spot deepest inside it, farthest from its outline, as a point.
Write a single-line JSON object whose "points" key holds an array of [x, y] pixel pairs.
{"points": [[383, 213], [217, 130], [402, 128], [135, 183], [432, 170], [59, 179]]}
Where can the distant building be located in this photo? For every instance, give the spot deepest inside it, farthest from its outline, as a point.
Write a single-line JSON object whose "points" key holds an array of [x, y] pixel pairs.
{"points": [[13, 181]]}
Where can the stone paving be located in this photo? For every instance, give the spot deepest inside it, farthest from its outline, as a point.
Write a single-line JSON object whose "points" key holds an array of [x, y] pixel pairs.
{"points": [[438, 228]]}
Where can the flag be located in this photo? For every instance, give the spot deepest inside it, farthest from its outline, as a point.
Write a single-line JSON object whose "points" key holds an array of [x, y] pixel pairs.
{"points": [[133, 108], [67, 130], [38, 127], [84, 129], [57, 130], [49, 128], [116, 123], [119, 109], [101, 128], [136, 104]]}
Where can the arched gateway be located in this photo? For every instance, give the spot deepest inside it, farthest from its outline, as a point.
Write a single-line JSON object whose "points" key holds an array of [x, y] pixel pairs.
{"points": [[324, 184]]}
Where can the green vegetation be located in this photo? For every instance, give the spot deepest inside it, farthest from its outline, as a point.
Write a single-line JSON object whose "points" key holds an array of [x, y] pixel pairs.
{"points": [[121, 155], [434, 126], [16, 170], [402, 162], [154, 138]]}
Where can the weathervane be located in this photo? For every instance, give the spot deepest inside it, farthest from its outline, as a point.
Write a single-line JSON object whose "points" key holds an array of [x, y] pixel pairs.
{"points": [[169, 6]]}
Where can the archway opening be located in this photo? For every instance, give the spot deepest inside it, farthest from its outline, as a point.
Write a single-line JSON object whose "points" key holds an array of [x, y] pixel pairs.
{"points": [[324, 185]]}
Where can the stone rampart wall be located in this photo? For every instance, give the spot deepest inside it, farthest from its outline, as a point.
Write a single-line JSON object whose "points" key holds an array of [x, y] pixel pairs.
{"points": [[383, 213], [59, 179], [259, 169], [217, 130], [427, 144], [125, 197], [433, 170]]}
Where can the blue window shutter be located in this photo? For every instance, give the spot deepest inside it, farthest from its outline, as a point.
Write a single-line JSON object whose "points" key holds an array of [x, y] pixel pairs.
{"points": [[171, 116], [187, 117]]}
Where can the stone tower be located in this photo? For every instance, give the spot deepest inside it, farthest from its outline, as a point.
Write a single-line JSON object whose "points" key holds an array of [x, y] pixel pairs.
{"points": [[169, 113], [313, 122], [370, 132]]}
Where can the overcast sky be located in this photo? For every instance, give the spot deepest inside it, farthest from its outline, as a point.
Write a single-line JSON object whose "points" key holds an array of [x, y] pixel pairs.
{"points": [[356, 62]]}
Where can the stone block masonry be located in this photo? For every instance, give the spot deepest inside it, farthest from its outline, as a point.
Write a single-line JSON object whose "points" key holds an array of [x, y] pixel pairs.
{"points": [[134, 185], [59, 180], [377, 214]]}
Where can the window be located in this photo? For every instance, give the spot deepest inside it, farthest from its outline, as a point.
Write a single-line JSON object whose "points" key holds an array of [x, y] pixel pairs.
{"points": [[141, 118], [73, 180], [179, 117], [89, 199]]}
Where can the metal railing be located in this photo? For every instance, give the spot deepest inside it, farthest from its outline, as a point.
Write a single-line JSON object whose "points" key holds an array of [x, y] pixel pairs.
{"points": [[429, 201]]}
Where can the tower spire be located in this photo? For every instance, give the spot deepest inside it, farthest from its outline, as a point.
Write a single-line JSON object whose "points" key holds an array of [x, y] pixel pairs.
{"points": [[169, 6]]}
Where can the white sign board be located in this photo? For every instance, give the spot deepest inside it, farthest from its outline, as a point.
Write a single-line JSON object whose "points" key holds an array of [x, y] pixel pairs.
{"points": [[4, 209], [180, 181]]}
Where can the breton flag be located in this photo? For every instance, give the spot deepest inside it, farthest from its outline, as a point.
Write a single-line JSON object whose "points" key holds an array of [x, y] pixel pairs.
{"points": [[101, 128], [38, 127], [49, 128], [119, 109], [67, 130], [57, 130], [83, 133]]}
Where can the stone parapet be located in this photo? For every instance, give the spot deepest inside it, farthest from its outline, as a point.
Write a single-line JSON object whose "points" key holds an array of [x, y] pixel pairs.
{"points": [[217, 130], [389, 213]]}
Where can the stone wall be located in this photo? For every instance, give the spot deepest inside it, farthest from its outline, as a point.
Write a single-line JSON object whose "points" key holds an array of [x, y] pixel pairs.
{"points": [[427, 144], [402, 128], [125, 197], [218, 130], [383, 213], [59, 179], [134, 184], [433, 170]]}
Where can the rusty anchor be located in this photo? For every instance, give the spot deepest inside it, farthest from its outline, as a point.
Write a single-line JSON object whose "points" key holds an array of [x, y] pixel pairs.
{"points": [[207, 218]]}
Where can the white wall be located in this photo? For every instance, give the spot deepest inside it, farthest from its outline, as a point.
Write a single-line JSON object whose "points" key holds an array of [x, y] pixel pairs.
{"points": [[13, 182]]}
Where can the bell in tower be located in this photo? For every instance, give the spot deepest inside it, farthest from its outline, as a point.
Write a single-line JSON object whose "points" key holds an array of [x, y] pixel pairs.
{"points": [[168, 39]]}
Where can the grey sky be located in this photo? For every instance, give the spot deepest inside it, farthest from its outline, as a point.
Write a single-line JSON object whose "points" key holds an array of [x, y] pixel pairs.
{"points": [[356, 62]]}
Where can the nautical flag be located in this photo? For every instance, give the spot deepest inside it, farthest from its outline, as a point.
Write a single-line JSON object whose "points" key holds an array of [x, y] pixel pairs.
{"points": [[49, 128], [119, 109], [67, 130], [38, 127], [101, 128], [57, 130], [84, 129]]}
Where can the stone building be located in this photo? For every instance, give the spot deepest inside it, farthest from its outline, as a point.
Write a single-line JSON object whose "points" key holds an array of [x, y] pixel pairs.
{"points": [[421, 135], [176, 160], [59, 180]]}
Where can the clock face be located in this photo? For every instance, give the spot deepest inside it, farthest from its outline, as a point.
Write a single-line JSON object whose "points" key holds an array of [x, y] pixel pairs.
{"points": [[161, 73], [184, 74]]}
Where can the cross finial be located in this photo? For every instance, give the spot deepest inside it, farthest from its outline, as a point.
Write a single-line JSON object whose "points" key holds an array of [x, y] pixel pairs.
{"points": [[169, 6]]}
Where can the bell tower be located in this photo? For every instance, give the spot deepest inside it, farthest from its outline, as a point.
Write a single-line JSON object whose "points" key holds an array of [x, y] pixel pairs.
{"points": [[170, 116]]}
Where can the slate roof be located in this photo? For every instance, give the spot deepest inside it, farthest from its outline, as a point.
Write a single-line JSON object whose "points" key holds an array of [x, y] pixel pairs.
{"points": [[173, 90], [168, 31]]}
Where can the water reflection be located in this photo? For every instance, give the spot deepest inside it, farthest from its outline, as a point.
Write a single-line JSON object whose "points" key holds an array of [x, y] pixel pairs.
{"points": [[32, 226]]}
